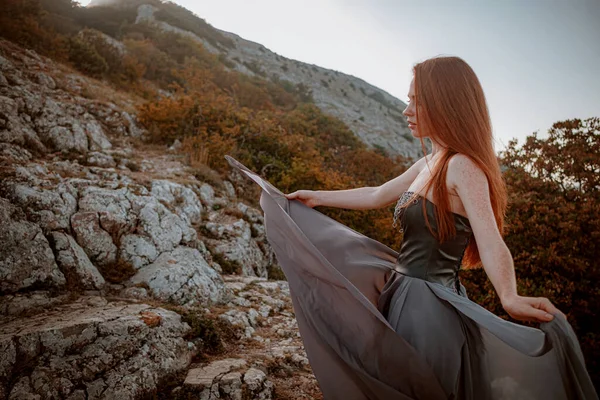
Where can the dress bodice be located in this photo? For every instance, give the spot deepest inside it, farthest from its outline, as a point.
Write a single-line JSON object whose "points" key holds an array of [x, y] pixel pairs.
{"points": [[420, 254]]}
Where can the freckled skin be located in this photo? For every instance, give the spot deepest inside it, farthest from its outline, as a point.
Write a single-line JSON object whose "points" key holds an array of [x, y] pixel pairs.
{"points": [[469, 196], [471, 185]]}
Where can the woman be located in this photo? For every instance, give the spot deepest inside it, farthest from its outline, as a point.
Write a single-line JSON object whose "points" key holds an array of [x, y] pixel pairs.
{"points": [[377, 324]]}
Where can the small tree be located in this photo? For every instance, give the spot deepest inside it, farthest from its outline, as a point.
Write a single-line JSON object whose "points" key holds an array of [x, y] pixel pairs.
{"points": [[86, 58]]}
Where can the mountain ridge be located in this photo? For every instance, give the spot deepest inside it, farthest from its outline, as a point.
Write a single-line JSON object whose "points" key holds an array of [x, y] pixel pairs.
{"points": [[372, 114]]}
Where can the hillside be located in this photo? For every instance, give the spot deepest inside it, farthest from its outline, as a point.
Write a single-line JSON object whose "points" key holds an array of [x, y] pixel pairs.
{"points": [[133, 260], [136, 264], [371, 113], [124, 272]]}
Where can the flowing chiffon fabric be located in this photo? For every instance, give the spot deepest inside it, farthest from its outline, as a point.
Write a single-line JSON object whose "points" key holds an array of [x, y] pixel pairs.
{"points": [[372, 332]]}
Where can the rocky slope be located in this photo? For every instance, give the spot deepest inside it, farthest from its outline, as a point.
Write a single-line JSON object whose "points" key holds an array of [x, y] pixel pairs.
{"points": [[371, 113], [116, 258]]}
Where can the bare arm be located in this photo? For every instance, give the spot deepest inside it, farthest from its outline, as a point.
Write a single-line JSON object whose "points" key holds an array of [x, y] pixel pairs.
{"points": [[364, 198], [471, 184]]}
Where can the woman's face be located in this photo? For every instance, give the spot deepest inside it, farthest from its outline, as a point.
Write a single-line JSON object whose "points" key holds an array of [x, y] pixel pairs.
{"points": [[411, 111]]}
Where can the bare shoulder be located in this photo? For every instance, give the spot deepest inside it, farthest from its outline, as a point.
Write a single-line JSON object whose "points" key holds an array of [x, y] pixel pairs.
{"points": [[472, 187], [471, 184], [463, 172]]}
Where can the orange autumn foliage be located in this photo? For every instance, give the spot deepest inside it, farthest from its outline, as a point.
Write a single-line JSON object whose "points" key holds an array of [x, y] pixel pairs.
{"points": [[553, 219], [553, 227]]}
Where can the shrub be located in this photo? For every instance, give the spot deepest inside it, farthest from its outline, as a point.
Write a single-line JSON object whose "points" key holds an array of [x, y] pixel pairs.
{"points": [[157, 65], [228, 266], [86, 58], [205, 329]]}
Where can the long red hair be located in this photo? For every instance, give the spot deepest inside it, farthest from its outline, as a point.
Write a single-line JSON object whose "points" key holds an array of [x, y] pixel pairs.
{"points": [[454, 112]]}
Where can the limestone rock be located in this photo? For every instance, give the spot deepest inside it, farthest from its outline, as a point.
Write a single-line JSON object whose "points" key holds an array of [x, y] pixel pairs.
{"points": [[200, 378], [26, 259], [164, 228], [234, 242], [238, 319], [50, 208], [182, 276], [229, 190], [207, 194], [67, 138], [112, 206], [30, 302], [137, 250], [96, 242], [75, 264], [228, 379], [99, 159], [184, 201], [109, 349], [96, 137]]}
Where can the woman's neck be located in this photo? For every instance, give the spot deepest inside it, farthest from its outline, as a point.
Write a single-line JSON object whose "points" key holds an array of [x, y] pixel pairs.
{"points": [[436, 148]]}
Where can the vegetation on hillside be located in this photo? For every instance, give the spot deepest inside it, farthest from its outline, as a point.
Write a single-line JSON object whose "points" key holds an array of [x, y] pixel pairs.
{"points": [[273, 128], [554, 227]]}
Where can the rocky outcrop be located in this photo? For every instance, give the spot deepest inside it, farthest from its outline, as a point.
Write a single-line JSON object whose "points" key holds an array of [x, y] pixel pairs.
{"points": [[184, 200], [230, 380], [49, 205], [75, 264], [234, 242], [91, 349], [26, 260], [182, 276], [111, 254], [45, 114]]}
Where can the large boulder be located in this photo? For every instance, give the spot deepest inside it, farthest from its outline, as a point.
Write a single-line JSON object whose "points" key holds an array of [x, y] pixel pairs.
{"points": [[183, 200], [234, 243], [75, 264], [92, 349], [96, 242], [50, 207], [182, 276], [26, 259]]}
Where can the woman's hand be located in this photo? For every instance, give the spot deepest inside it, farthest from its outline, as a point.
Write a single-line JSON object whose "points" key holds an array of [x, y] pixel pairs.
{"points": [[308, 197], [538, 309]]}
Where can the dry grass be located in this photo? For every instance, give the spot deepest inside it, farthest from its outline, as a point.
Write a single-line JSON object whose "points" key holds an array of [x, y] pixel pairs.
{"points": [[94, 89], [204, 173]]}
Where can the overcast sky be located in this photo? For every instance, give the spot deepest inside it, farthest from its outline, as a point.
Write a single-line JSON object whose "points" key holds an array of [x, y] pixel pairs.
{"points": [[538, 60]]}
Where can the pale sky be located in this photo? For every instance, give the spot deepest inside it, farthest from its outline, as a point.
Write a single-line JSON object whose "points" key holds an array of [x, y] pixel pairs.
{"points": [[538, 60]]}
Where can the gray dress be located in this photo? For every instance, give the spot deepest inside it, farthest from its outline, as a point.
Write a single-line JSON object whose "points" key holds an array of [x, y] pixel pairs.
{"points": [[381, 324]]}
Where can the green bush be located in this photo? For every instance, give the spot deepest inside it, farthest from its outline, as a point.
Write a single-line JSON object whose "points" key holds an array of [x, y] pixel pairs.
{"points": [[86, 58]]}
